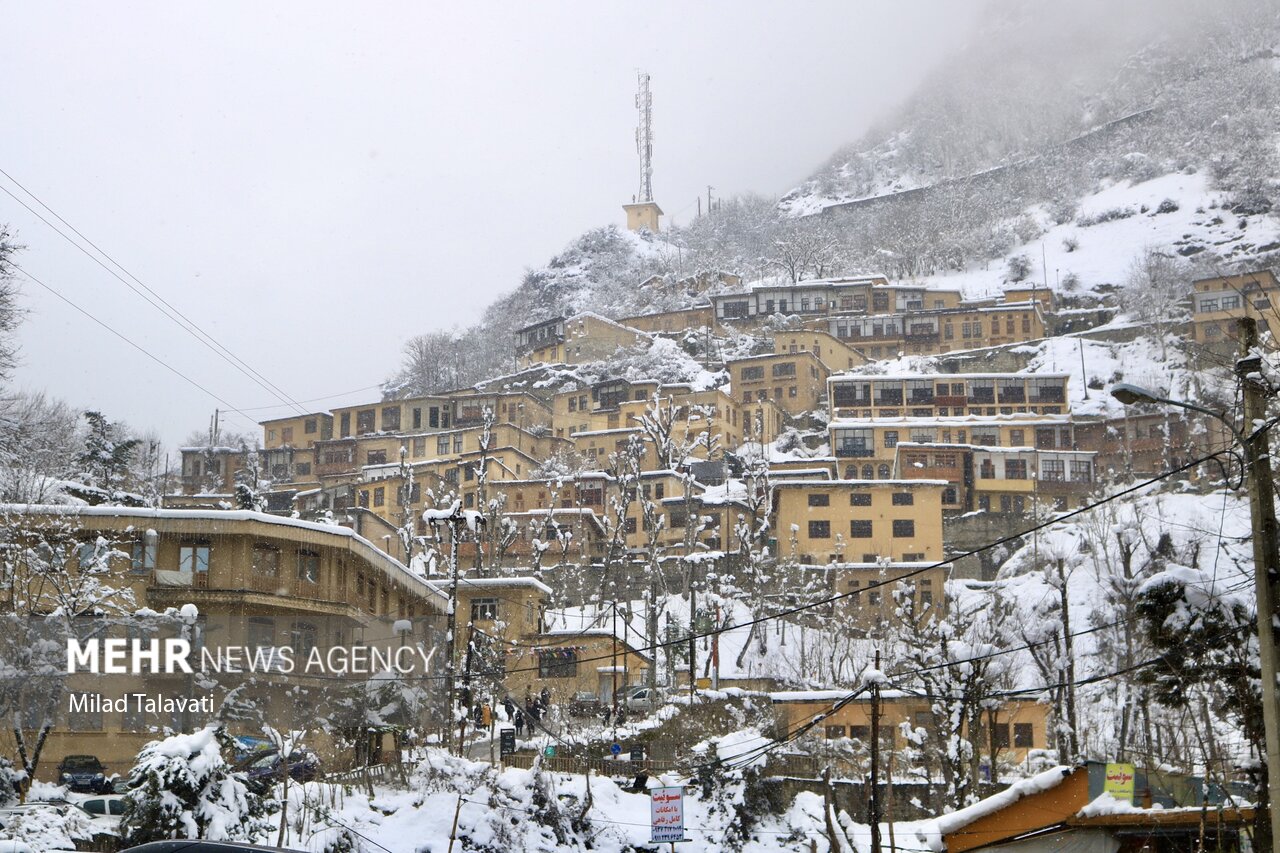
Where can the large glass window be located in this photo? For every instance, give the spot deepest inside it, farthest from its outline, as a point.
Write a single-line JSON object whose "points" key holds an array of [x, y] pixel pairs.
{"points": [[193, 558]]}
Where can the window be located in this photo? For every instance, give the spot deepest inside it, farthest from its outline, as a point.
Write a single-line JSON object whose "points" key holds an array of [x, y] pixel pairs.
{"points": [[860, 528], [1000, 736], [419, 448], [822, 499], [629, 525], [891, 438], [362, 499], [134, 718], [557, 663], [266, 561], [302, 638], [833, 732], [303, 469], [1015, 469], [87, 720], [262, 632], [786, 370], [752, 374], [309, 566], [286, 434], [819, 530], [390, 418], [903, 528], [193, 558], [903, 498], [376, 457], [144, 556], [380, 496], [1053, 469], [1230, 302], [442, 445], [365, 420], [484, 609], [1023, 736], [457, 443], [860, 499], [573, 404]]}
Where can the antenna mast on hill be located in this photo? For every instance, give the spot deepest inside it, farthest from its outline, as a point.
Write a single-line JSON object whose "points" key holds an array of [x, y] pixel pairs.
{"points": [[644, 137]]}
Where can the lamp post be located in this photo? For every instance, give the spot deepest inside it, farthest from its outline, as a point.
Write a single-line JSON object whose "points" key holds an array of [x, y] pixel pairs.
{"points": [[1255, 446]]}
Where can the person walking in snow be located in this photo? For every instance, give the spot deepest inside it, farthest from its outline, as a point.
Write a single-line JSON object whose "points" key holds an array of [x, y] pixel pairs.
{"points": [[519, 721]]}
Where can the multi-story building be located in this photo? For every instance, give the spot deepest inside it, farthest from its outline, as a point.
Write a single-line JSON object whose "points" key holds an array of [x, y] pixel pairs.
{"points": [[1217, 302], [212, 469], [858, 521], [288, 456], [927, 395], [859, 295], [1010, 733], [297, 431], [794, 382], [420, 414], [260, 582], [573, 340], [700, 318], [1015, 479], [930, 332], [830, 350]]}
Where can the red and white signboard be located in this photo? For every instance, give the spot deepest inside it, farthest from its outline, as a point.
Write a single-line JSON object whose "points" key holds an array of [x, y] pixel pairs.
{"points": [[666, 813]]}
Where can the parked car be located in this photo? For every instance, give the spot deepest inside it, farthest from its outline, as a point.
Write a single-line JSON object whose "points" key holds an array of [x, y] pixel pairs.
{"points": [[85, 774], [263, 769], [642, 700], [105, 811], [585, 705]]}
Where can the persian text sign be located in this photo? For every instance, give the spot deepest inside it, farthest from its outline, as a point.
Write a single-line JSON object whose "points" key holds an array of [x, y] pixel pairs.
{"points": [[666, 813], [1119, 781]]}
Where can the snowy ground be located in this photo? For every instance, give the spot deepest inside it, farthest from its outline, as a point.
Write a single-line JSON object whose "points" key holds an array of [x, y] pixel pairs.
{"points": [[1105, 250]]}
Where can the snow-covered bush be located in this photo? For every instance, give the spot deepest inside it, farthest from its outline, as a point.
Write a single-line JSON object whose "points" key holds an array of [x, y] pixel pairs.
{"points": [[182, 787], [45, 829]]}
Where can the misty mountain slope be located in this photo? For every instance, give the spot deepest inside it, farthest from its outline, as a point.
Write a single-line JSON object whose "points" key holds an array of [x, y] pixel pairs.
{"points": [[1058, 136], [1038, 77]]}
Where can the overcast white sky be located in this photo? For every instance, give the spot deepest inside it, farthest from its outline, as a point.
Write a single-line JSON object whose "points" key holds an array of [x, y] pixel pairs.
{"points": [[314, 183]]}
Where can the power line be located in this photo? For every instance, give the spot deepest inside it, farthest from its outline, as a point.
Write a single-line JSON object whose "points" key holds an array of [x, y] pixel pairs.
{"points": [[127, 340], [154, 299]]}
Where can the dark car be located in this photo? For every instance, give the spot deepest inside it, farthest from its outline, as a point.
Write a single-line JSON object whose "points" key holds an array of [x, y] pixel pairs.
{"points": [[263, 769], [585, 705], [85, 774]]}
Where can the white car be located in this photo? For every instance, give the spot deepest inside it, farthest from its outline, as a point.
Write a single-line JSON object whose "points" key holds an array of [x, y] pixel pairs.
{"points": [[104, 810], [643, 700]]}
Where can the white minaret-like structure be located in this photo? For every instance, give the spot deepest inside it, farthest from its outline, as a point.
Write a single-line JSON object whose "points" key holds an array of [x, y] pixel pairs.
{"points": [[643, 212]]}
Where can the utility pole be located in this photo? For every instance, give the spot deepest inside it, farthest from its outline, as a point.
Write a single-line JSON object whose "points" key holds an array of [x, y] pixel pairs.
{"points": [[457, 521], [873, 805], [467, 702], [715, 651], [693, 636], [709, 189], [613, 664], [1266, 552], [1073, 741]]}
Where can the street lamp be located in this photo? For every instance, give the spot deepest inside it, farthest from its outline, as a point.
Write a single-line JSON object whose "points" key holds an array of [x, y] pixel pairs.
{"points": [[1254, 444]]}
